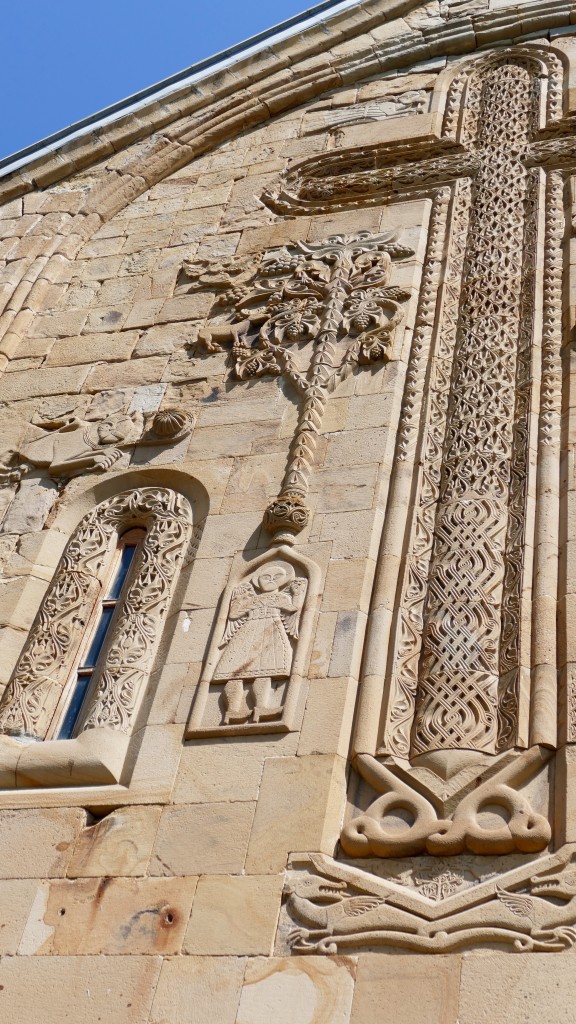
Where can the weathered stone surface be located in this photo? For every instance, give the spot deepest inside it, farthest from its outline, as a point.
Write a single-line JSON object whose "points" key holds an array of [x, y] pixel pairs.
{"points": [[110, 916], [210, 771], [196, 988], [299, 808], [31, 988], [202, 838], [524, 988], [38, 843], [16, 901], [234, 915], [120, 844], [406, 987], [311, 989]]}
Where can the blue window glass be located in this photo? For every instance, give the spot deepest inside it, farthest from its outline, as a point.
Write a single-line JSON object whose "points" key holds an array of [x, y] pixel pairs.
{"points": [[86, 669], [119, 579], [75, 705]]}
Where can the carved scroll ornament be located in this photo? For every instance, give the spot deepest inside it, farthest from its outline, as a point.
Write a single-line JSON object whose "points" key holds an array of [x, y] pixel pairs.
{"points": [[48, 659]]}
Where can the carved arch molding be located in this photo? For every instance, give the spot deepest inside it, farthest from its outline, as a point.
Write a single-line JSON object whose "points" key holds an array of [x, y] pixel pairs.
{"points": [[48, 659], [460, 708]]}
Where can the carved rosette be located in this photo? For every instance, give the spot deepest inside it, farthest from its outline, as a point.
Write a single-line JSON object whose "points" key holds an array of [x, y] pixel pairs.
{"points": [[48, 659]]}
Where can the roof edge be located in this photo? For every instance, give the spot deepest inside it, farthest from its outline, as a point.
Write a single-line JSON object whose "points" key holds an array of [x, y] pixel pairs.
{"points": [[167, 86]]}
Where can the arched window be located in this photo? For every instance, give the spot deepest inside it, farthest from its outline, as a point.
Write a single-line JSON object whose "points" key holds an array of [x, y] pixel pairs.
{"points": [[122, 565], [91, 647]]}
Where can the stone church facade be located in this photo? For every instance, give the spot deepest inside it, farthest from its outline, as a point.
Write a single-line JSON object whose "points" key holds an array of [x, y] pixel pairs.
{"points": [[288, 534]]}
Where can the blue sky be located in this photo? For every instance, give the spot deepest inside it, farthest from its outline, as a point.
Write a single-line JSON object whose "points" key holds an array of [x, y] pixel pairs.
{"points": [[65, 59]]}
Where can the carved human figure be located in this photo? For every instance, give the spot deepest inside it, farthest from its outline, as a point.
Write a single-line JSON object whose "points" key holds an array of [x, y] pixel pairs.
{"points": [[262, 620]]}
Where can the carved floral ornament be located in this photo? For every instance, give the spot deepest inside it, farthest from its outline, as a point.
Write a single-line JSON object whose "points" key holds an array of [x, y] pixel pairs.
{"points": [[32, 696], [329, 303], [334, 295]]}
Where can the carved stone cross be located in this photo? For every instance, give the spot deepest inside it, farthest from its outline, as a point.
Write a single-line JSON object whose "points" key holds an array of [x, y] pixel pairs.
{"points": [[454, 650]]}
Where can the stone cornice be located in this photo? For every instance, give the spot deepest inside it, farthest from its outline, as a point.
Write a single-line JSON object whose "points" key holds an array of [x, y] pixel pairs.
{"points": [[141, 150], [366, 39]]}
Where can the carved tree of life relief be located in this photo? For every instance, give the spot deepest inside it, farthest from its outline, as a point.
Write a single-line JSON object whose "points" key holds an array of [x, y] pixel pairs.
{"points": [[311, 313]]}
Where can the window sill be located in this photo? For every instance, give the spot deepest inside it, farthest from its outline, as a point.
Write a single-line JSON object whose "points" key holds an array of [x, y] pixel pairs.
{"points": [[94, 758]]}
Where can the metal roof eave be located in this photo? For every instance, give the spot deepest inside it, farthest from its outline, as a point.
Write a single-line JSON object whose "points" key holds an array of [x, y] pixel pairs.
{"points": [[181, 80]]}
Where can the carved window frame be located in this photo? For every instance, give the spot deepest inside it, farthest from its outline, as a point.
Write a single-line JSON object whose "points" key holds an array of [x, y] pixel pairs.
{"points": [[97, 754]]}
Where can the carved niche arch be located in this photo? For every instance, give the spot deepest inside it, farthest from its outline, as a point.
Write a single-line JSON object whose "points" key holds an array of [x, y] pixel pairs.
{"points": [[32, 696]]}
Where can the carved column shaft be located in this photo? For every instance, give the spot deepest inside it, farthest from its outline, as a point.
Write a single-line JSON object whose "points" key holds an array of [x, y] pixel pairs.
{"points": [[458, 683]]}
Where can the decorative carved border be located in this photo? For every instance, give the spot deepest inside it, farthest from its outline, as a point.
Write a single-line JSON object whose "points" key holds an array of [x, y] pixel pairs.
{"points": [[44, 667]]}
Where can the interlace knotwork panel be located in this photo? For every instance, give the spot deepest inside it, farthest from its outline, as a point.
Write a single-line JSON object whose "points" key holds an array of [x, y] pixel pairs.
{"points": [[465, 662], [48, 659], [458, 700]]}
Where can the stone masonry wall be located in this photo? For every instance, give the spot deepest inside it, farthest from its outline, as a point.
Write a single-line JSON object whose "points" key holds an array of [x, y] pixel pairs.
{"points": [[156, 900]]}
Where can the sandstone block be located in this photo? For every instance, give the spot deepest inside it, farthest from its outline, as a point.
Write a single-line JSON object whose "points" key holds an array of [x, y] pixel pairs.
{"points": [[311, 989], [185, 307], [197, 989], [227, 534], [59, 325], [117, 990], [408, 988], [19, 600], [144, 313], [299, 808], [211, 771], [30, 507], [120, 844], [38, 843], [202, 839], [99, 269], [132, 372], [524, 988], [348, 643], [234, 915], [322, 646], [50, 381], [213, 442], [337, 491], [16, 899], [109, 915], [92, 348], [327, 724], [248, 411], [348, 585], [353, 534]]}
